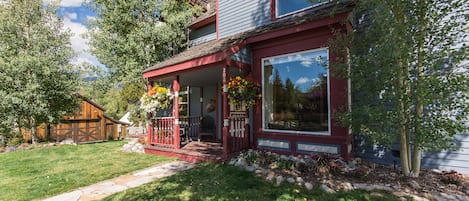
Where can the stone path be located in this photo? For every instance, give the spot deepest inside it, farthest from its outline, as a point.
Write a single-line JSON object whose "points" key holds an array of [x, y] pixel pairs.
{"points": [[105, 188]]}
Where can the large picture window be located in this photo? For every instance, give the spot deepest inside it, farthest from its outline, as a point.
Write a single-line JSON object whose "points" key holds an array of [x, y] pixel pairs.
{"points": [[295, 92], [285, 7]]}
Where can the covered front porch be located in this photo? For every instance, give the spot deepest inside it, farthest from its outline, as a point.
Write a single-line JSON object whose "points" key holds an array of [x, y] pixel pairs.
{"points": [[200, 124]]}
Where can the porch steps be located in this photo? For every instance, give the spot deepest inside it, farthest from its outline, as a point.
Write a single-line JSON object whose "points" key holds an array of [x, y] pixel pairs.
{"points": [[194, 152]]}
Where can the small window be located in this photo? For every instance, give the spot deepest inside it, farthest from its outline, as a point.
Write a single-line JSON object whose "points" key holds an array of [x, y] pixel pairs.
{"points": [[295, 92], [285, 7]]}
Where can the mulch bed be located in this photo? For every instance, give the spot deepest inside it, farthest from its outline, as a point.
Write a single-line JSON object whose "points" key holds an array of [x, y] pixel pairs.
{"points": [[334, 174]]}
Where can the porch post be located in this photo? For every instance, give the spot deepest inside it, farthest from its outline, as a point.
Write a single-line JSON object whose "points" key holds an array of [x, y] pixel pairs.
{"points": [[150, 125], [176, 134], [226, 122]]}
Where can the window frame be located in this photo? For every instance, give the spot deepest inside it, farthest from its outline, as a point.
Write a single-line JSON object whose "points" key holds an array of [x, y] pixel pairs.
{"points": [[277, 16], [263, 123]]}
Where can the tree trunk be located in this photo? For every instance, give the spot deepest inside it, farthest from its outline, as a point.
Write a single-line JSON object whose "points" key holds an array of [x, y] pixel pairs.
{"points": [[404, 138], [33, 131], [404, 155], [416, 160]]}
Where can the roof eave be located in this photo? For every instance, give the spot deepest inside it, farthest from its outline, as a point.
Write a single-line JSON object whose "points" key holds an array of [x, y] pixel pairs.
{"points": [[200, 61]]}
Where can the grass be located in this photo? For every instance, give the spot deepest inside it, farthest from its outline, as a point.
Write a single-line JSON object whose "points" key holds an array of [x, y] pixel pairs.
{"points": [[222, 182], [40, 173]]}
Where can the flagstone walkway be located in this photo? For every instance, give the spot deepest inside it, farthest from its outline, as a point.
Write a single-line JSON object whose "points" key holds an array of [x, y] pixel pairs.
{"points": [[105, 188]]}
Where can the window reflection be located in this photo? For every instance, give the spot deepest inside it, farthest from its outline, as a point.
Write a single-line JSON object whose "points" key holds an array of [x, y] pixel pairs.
{"points": [[295, 92], [285, 7]]}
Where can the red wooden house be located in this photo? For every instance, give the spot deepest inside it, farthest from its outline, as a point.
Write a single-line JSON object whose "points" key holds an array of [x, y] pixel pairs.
{"points": [[280, 44]]}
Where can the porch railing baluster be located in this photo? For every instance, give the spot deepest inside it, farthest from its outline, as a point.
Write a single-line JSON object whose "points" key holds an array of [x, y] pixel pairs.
{"points": [[238, 135], [163, 134]]}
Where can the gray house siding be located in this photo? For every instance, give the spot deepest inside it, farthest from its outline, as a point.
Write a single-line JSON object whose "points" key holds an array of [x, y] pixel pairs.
{"points": [[204, 34], [451, 160], [235, 16], [448, 160]]}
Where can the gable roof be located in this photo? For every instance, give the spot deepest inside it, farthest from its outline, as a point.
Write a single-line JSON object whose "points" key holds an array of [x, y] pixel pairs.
{"points": [[89, 101], [215, 46], [211, 10]]}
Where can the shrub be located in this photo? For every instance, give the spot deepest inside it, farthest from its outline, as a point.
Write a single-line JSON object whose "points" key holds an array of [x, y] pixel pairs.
{"points": [[15, 141]]}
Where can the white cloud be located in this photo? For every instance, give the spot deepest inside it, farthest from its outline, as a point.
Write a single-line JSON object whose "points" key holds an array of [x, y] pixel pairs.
{"points": [[72, 16], [67, 3], [90, 18], [302, 80], [307, 62], [79, 44]]}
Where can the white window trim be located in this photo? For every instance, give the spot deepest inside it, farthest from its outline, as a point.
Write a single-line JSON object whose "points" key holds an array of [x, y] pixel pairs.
{"points": [[328, 132], [296, 11]]}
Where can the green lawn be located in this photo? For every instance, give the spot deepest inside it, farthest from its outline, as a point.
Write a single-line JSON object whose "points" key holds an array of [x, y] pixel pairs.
{"points": [[40, 173], [222, 182]]}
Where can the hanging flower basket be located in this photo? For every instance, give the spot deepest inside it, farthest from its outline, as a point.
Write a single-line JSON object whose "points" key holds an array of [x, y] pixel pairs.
{"points": [[158, 98], [242, 92]]}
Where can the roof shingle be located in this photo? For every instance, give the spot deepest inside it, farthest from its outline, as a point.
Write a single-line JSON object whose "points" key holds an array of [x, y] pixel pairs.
{"points": [[216, 46]]}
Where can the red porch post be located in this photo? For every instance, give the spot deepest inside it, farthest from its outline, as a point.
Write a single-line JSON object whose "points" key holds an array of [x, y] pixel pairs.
{"points": [[226, 122], [150, 126], [177, 137]]}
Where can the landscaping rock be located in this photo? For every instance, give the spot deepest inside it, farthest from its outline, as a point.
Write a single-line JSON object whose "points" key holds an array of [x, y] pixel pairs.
{"points": [[68, 141], [372, 187], [290, 180], [255, 165], [133, 146], [399, 194], [418, 198], [414, 185], [241, 163], [346, 186], [279, 179], [300, 180], [270, 177], [326, 188], [452, 186], [232, 161], [250, 168], [309, 186]]}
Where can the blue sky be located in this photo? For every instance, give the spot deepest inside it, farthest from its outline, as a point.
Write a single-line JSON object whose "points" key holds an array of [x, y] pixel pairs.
{"points": [[304, 69], [75, 16]]}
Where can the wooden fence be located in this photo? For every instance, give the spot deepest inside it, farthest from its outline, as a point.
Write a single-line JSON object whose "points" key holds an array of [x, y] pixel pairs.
{"points": [[80, 131]]}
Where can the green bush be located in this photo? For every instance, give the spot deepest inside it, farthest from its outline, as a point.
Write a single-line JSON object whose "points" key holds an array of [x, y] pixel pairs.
{"points": [[11, 138]]}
